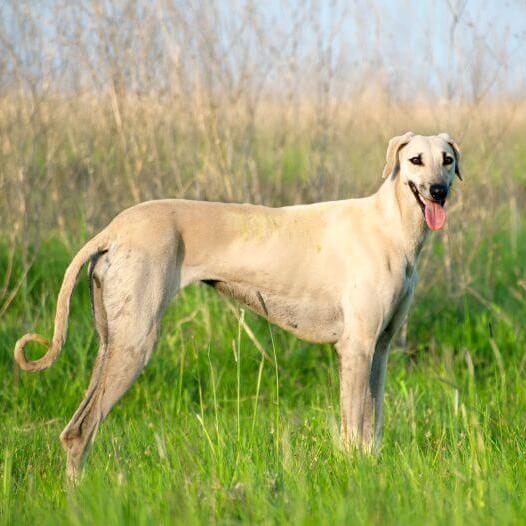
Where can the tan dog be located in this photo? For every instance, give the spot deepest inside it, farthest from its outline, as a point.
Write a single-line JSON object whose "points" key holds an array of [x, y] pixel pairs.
{"points": [[341, 272]]}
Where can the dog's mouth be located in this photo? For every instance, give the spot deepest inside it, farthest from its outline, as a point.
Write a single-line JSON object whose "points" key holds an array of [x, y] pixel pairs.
{"points": [[434, 211]]}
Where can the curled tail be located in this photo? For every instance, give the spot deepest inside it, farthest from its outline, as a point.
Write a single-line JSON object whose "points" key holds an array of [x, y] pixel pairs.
{"points": [[92, 247]]}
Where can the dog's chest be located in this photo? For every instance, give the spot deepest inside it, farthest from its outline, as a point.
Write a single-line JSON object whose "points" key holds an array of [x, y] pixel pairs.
{"points": [[316, 319]]}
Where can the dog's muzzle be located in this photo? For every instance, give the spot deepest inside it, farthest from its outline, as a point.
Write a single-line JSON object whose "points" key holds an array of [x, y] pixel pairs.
{"points": [[433, 209]]}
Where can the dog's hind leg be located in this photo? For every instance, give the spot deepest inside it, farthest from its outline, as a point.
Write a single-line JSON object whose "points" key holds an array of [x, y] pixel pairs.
{"points": [[129, 304]]}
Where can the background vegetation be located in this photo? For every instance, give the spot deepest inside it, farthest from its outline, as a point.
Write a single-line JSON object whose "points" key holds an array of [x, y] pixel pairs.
{"points": [[105, 104]]}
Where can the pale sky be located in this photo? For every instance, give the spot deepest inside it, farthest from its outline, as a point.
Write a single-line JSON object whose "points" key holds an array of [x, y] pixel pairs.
{"points": [[410, 44]]}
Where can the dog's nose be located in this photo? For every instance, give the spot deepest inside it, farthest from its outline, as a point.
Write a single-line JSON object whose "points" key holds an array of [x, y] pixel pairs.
{"points": [[438, 192]]}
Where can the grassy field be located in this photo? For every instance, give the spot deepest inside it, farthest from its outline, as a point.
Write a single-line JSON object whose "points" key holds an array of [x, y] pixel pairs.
{"points": [[104, 104], [214, 432]]}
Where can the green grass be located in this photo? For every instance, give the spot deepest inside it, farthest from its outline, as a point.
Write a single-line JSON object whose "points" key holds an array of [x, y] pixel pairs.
{"points": [[214, 433]]}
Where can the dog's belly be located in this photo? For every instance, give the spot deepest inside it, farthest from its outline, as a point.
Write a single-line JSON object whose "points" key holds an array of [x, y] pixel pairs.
{"points": [[318, 320]]}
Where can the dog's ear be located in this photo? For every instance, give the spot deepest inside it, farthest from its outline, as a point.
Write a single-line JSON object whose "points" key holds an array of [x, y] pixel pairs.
{"points": [[456, 152], [391, 159]]}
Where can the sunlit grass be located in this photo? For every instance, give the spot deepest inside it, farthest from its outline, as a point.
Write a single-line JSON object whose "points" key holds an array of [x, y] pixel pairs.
{"points": [[213, 431]]}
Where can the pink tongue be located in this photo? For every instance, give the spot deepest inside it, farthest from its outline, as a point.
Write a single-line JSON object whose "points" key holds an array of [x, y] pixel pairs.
{"points": [[435, 215]]}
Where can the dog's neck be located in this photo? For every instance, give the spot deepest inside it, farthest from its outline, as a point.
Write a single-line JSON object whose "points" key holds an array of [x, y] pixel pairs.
{"points": [[400, 209]]}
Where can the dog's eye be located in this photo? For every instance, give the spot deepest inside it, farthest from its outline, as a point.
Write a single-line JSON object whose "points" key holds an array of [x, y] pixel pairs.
{"points": [[447, 159], [417, 160]]}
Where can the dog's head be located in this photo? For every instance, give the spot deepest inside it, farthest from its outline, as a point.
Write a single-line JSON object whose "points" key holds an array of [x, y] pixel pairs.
{"points": [[427, 166]]}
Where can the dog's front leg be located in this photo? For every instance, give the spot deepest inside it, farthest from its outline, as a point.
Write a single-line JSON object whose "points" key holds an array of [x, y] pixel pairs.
{"points": [[362, 376], [377, 383]]}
